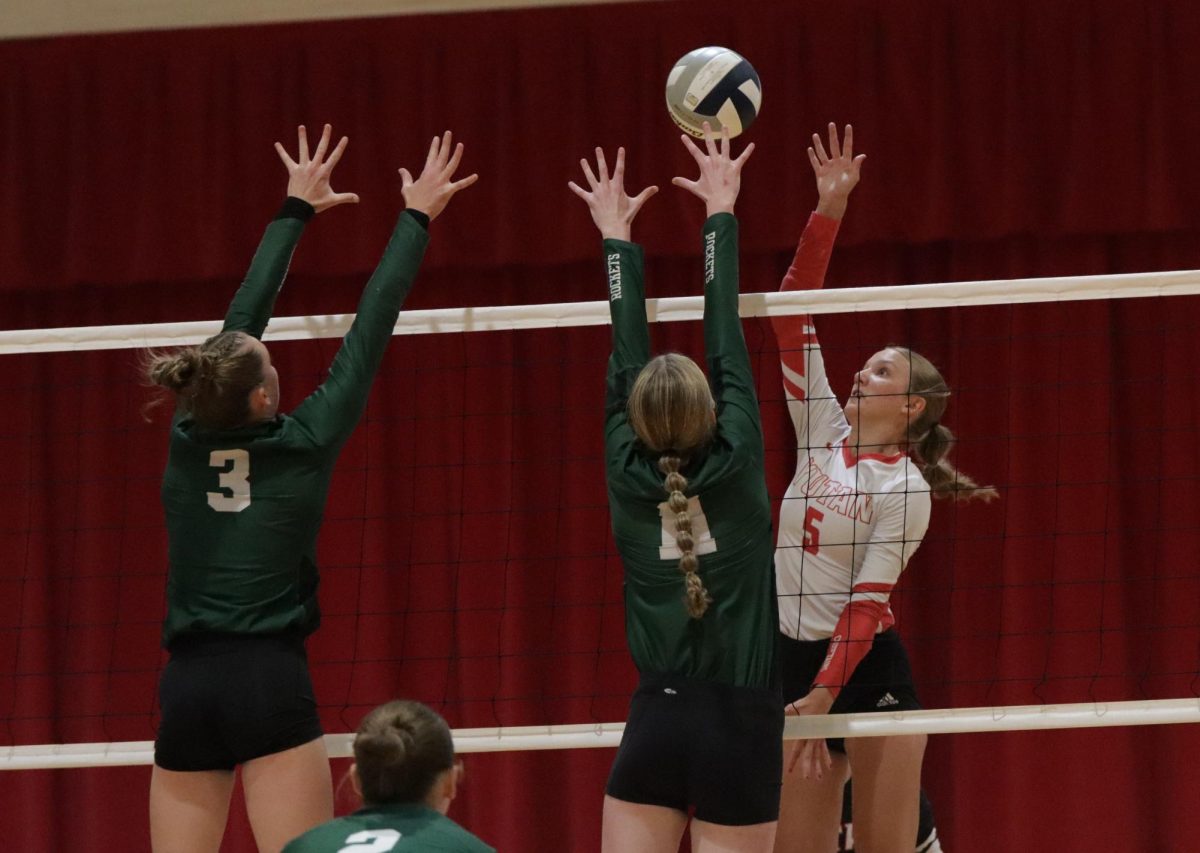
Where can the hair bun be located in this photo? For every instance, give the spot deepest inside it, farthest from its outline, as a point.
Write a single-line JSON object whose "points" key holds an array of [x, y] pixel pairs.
{"points": [[385, 746], [173, 371]]}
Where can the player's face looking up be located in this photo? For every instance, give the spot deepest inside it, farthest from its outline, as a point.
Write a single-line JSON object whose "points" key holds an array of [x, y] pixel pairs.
{"points": [[880, 394]]}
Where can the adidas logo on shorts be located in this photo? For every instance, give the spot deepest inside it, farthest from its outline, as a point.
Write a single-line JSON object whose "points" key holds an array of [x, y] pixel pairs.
{"points": [[887, 701]]}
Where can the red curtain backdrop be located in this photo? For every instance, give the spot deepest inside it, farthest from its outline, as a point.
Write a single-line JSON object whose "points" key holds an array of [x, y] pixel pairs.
{"points": [[466, 551]]}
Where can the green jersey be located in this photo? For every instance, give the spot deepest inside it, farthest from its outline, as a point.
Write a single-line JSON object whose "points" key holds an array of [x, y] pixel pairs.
{"points": [[243, 506], [403, 828], [734, 642]]}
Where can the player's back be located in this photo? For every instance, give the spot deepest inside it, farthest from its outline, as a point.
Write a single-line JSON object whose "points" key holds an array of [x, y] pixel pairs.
{"points": [[399, 828], [243, 508], [731, 527]]}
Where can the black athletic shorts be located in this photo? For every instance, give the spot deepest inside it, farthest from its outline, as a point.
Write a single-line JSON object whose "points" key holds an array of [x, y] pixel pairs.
{"points": [[227, 699], [882, 681], [697, 744]]}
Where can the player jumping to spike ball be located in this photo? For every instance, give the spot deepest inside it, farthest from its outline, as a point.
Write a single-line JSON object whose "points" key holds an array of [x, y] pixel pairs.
{"points": [[692, 522], [404, 769], [854, 513], [244, 491]]}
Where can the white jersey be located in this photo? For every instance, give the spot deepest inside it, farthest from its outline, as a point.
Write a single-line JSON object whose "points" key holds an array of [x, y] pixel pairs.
{"points": [[848, 524]]}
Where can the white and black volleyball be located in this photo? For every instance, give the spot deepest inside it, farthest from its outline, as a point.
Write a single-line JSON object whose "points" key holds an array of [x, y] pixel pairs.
{"points": [[716, 85]]}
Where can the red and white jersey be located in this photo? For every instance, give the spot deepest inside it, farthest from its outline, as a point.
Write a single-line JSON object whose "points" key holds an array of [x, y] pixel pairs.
{"points": [[848, 524]]}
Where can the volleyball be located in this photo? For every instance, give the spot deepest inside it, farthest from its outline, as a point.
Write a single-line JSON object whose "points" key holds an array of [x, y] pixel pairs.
{"points": [[713, 84]]}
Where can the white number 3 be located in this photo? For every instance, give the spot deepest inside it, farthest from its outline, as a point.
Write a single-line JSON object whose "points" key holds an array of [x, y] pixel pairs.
{"points": [[236, 480], [380, 841]]}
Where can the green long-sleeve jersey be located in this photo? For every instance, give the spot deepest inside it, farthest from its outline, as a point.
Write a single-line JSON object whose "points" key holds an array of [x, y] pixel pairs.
{"points": [[401, 828], [243, 506], [734, 642]]}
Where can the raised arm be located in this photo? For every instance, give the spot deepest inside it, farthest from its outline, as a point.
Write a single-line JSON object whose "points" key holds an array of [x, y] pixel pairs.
{"points": [[308, 192], [814, 410], [331, 412], [729, 371], [613, 210]]}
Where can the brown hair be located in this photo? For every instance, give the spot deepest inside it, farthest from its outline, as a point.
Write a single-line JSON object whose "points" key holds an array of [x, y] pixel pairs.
{"points": [[671, 410], [211, 382], [929, 440], [400, 750]]}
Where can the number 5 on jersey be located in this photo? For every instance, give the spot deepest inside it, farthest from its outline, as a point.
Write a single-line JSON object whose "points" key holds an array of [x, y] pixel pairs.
{"points": [[235, 480], [812, 533]]}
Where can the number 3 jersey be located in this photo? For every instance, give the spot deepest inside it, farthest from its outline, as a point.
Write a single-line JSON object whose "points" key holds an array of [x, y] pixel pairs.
{"points": [[849, 521], [243, 506], [734, 642]]}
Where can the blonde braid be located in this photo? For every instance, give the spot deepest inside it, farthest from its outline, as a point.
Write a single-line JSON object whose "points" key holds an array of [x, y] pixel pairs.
{"points": [[696, 597]]}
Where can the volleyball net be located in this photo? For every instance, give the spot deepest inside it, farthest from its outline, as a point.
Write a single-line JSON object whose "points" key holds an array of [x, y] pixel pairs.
{"points": [[466, 555]]}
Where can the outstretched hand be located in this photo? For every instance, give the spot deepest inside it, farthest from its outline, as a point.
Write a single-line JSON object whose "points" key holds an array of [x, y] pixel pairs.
{"points": [[720, 177], [433, 189], [837, 172], [613, 209], [308, 178]]}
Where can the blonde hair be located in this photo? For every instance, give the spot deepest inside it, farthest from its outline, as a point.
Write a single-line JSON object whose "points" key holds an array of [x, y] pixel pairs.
{"points": [[400, 749], [671, 410], [213, 381], [929, 440]]}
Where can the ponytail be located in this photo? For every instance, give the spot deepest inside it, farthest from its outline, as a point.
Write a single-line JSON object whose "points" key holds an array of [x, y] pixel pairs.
{"points": [[946, 481], [929, 441], [696, 597]]}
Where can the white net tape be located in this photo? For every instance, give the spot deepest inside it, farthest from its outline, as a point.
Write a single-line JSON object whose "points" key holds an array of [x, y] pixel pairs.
{"points": [[678, 309], [522, 738], [564, 315]]}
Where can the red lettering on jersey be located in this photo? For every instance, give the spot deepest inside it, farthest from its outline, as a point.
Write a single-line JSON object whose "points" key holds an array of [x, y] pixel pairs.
{"points": [[864, 509], [834, 496]]}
